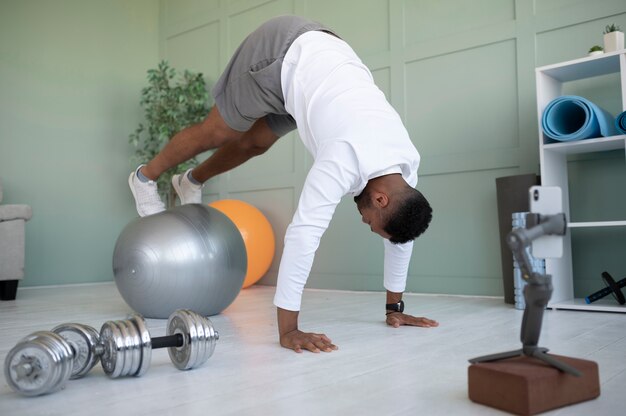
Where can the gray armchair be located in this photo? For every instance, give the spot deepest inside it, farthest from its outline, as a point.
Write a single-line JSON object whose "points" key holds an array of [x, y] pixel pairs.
{"points": [[12, 245]]}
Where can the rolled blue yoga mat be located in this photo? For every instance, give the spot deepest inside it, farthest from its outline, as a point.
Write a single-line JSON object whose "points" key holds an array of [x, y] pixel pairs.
{"points": [[620, 123], [570, 117]]}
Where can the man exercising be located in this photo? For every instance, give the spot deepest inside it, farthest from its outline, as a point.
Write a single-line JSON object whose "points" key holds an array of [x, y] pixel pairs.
{"points": [[295, 73]]}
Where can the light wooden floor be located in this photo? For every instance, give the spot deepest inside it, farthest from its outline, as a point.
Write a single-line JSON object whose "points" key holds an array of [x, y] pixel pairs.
{"points": [[378, 370]]}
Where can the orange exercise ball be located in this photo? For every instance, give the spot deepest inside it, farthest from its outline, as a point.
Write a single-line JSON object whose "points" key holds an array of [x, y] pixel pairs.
{"points": [[257, 234]]}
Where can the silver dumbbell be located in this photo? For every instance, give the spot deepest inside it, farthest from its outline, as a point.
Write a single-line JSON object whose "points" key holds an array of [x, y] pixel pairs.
{"points": [[42, 362], [127, 345]]}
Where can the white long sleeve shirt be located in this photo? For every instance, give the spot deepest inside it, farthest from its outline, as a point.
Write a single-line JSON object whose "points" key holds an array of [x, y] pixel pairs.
{"points": [[354, 135]]}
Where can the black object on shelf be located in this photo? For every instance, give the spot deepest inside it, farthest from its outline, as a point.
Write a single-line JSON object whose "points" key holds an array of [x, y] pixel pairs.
{"points": [[612, 288]]}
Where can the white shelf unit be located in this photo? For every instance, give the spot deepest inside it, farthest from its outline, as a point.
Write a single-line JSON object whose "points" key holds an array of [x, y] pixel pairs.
{"points": [[554, 172]]}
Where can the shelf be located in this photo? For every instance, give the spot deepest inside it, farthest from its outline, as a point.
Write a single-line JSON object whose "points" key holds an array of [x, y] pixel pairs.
{"points": [[553, 156], [607, 304], [588, 67], [591, 224], [600, 144]]}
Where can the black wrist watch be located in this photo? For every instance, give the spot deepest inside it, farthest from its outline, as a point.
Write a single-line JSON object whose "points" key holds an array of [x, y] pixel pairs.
{"points": [[395, 307]]}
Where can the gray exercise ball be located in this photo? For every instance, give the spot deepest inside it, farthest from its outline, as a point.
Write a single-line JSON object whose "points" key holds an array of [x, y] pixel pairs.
{"points": [[191, 257]]}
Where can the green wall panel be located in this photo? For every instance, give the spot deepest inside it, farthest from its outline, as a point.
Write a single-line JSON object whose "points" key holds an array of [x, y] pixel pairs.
{"points": [[364, 24], [71, 73], [183, 12], [349, 249], [426, 19], [573, 41], [277, 161], [462, 243], [454, 108], [197, 50], [382, 78], [543, 6], [251, 16]]}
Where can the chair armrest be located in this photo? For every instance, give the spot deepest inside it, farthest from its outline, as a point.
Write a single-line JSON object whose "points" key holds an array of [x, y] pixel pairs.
{"points": [[15, 212]]}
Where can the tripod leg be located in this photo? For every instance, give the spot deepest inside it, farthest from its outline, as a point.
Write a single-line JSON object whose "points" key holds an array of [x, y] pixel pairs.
{"points": [[543, 356], [496, 357]]}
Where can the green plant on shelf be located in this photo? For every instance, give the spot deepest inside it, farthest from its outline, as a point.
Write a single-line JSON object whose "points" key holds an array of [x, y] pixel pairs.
{"points": [[611, 28], [596, 48]]}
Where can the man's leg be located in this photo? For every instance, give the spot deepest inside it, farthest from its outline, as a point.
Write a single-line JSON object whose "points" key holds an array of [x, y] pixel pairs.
{"points": [[211, 133], [254, 142], [232, 154]]}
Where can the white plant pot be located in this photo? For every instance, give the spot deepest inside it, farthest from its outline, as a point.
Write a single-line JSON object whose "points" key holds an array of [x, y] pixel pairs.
{"points": [[613, 41], [596, 53]]}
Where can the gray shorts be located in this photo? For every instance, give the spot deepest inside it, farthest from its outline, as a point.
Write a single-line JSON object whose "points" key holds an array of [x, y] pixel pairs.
{"points": [[250, 86]]}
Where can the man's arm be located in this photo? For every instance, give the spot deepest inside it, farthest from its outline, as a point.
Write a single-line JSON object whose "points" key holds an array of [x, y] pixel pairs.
{"points": [[397, 258], [329, 179], [291, 337], [395, 319]]}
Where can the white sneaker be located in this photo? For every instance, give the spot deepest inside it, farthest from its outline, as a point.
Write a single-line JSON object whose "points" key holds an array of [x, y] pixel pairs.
{"points": [[188, 192], [146, 195]]}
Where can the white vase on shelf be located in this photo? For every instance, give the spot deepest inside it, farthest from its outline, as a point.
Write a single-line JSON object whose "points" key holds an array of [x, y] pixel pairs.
{"points": [[613, 41]]}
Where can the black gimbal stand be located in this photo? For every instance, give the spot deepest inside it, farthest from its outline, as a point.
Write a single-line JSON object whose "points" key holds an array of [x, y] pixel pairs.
{"points": [[537, 292]]}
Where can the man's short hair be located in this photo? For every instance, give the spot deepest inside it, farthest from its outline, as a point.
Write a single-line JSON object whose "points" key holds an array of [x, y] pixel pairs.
{"points": [[411, 217]]}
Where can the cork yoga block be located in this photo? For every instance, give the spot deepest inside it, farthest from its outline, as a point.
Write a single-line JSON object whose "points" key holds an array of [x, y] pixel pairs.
{"points": [[527, 386]]}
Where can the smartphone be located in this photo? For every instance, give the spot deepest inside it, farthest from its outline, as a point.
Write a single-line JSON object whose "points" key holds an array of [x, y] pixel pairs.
{"points": [[546, 200]]}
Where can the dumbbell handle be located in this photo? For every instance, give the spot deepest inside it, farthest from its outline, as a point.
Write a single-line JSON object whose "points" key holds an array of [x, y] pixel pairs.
{"points": [[176, 340], [604, 292], [167, 341]]}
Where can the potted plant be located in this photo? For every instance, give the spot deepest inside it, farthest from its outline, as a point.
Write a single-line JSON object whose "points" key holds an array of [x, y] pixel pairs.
{"points": [[613, 38], [596, 50], [170, 105]]}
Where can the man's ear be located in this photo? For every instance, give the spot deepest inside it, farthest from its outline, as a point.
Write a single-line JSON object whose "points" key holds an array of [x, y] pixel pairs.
{"points": [[380, 199]]}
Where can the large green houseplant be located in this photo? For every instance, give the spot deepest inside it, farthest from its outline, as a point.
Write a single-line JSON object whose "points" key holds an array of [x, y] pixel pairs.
{"points": [[170, 103]]}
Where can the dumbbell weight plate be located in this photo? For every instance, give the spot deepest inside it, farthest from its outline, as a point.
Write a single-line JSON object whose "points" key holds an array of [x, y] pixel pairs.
{"points": [[112, 359], [179, 323], [129, 348], [196, 321], [38, 364], [84, 341], [202, 338], [65, 353], [206, 335], [212, 337], [61, 351], [146, 344], [138, 344], [183, 357]]}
